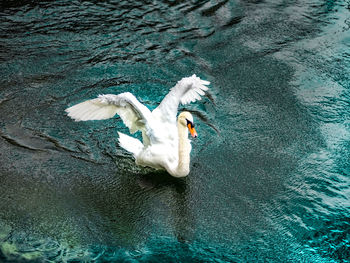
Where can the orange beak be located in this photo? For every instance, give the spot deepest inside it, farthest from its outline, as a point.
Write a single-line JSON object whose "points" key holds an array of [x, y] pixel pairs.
{"points": [[192, 131]]}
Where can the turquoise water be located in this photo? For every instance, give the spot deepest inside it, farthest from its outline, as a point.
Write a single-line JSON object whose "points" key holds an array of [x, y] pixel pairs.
{"points": [[270, 176]]}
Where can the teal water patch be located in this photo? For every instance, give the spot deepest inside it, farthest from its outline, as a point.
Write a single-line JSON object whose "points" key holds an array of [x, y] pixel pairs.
{"points": [[269, 174]]}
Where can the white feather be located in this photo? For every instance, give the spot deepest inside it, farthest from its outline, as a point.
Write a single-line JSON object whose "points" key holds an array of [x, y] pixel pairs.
{"points": [[186, 90], [106, 106], [91, 110], [130, 144]]}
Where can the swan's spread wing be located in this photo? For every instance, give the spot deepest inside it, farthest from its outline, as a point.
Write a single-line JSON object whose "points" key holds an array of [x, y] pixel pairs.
{"points": [[132, 112], [186, 90]]}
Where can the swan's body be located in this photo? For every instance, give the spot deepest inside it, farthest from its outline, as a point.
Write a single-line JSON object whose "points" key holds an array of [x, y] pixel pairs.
{"points": [[165, 140]]}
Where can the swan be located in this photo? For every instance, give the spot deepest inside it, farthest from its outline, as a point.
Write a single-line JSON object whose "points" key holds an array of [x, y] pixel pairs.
{"points": [[165, 139]]}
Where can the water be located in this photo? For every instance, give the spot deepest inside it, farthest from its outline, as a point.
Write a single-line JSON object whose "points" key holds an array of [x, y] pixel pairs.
{"points": [[269, 177]]}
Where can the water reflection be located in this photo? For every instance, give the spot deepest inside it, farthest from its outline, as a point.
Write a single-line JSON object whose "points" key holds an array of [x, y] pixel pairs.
{"points": [[128, 205]]}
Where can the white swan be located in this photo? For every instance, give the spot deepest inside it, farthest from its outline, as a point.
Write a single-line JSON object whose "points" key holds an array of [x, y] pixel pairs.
{"points": [[165, 142]]}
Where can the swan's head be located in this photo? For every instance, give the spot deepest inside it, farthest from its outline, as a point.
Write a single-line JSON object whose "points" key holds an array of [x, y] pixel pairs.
{"points": [[185, 118]]}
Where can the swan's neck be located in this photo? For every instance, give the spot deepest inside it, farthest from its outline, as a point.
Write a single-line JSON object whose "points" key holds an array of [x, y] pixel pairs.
{"points": [[183, 167]]}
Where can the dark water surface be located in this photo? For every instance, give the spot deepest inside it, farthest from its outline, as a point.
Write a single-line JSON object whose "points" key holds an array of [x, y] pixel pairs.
{"points": [[270, 174]]}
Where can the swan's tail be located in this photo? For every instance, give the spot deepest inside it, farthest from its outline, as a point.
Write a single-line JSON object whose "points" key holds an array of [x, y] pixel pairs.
{"points": [[130, 144]]}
